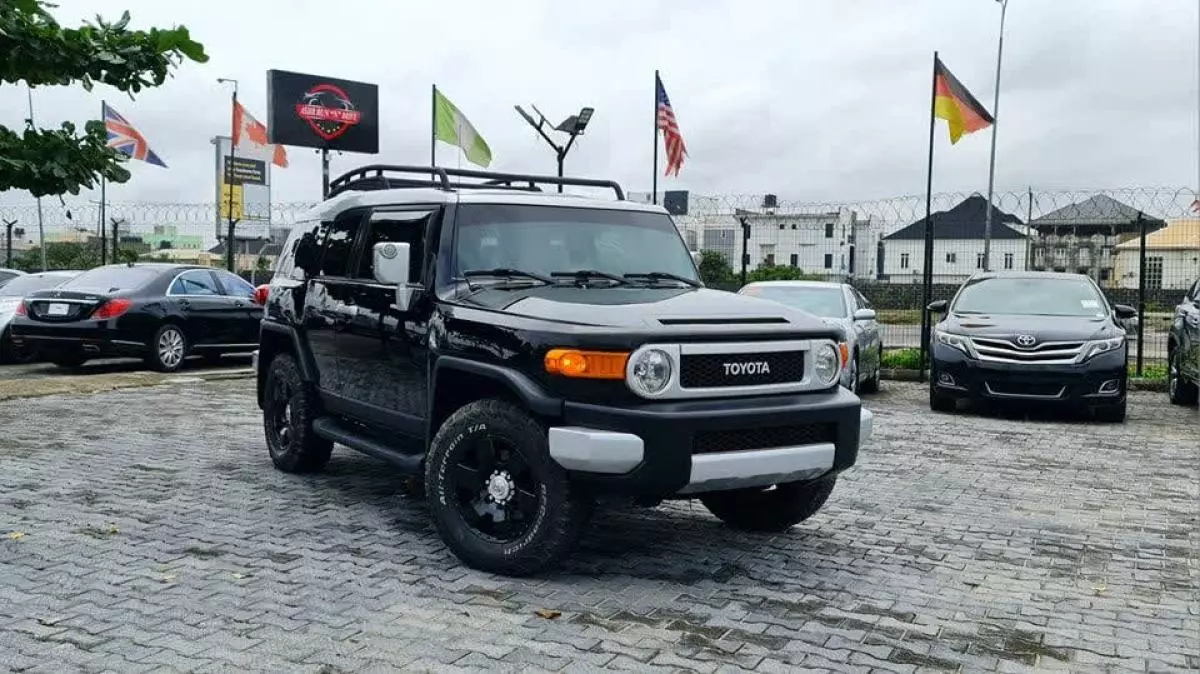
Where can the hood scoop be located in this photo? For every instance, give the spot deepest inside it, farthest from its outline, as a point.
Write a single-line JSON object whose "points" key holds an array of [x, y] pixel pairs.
{"points": [[731, 320]]}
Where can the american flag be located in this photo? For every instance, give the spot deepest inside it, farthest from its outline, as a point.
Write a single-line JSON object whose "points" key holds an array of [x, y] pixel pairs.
{"points": [[676, 150], [123, 138]]}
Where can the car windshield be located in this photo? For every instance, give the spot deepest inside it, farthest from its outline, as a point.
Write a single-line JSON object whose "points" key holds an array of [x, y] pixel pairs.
{"points": [[825, 302], [108, 279], [23, 285], [548, 239], [1030, 297]]}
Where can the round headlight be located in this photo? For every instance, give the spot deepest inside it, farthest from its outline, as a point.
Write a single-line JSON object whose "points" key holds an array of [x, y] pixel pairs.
{"points": [[827, 364], [650, 372]]}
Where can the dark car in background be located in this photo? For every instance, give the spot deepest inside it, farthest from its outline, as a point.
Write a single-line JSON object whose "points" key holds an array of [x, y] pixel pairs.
{"points": [[1183, 350], [161, 313], [7, 275], [1032, 337], [12, 292]]}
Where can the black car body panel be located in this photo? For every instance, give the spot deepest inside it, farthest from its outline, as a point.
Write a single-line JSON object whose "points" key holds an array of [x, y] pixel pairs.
{"points": [[62, 323], [1183, 341]]}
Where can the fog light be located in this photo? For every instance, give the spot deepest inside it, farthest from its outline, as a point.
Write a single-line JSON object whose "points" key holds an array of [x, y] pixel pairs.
{"points": [[1111, 386], [945, 379]]}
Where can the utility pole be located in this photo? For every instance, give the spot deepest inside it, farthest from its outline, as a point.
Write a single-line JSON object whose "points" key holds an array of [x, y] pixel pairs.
{"points": [[229, 173], [8, 230]]}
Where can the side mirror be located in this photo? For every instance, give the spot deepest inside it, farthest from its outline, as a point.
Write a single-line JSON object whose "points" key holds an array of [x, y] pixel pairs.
{"points": [[392, 263], [1124, 311], [938, 307], [864, 315]]}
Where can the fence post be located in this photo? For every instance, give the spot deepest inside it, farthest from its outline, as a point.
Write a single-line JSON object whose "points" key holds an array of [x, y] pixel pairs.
{"points": [[8, 228], [745, 246], [1141, 328]]}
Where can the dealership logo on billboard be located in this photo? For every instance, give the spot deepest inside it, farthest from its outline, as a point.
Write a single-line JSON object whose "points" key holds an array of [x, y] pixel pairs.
{"points": [[322, 112]]}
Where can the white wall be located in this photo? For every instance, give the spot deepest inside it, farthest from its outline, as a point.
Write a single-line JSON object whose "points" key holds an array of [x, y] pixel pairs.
{"points": [[1180, 267], [964, 264]]}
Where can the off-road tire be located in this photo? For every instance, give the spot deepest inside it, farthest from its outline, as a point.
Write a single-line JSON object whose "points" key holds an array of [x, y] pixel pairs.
{"points": [[1111, 414], [562, 508], [769, 509], [302, 450], [159, 359], [940, 402], [1180, 390]]}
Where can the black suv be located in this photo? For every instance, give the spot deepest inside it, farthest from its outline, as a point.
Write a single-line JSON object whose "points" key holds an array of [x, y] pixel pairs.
{"points": [[1033, 337], [1183, 350], [527, 352]]}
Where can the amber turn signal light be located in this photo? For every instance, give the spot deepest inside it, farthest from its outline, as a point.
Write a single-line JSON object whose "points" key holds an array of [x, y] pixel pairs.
{"points": [[844, 349], [586, 364]]}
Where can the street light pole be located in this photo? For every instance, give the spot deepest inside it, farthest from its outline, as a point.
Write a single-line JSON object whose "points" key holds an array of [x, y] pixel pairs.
{"points": [[987, 221], [227, 175], [573, 126]]}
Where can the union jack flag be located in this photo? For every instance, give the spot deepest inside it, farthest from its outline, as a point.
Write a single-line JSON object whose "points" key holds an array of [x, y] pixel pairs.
{"points": [[676, 150], [123, 138]]}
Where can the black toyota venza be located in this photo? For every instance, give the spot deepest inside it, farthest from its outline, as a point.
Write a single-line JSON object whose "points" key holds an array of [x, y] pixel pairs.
{"points": [[1033, 337], [159, 312]]}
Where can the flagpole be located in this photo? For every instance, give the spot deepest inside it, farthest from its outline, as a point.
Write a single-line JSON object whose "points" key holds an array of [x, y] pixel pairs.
{"points": [[654, 184], [433, 126], [228, 177], [927, 281], [103, 238], [987, 220]]}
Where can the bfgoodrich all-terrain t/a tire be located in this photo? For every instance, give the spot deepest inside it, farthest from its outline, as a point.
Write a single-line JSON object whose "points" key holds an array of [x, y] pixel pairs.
{"points": [[769, 509], [289, 407], [499, 502]]}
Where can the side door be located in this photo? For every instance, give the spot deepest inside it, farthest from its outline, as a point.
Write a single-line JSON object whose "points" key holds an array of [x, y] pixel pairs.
{"points": [[246, 315], [197, 298], [329, 304], [872, 342], [1189, 334], [383, 353]]}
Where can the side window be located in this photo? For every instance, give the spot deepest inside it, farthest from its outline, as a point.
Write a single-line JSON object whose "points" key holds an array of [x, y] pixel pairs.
{"points": [[1196, 292], [235, 285], [339, 243], [396, 227], [195, 283], [852, 300], [863, 303], [302, 251]]}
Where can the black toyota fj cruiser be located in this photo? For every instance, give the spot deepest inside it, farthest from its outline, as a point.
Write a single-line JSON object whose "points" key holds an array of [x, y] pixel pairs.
{"points": [[527, 352]]}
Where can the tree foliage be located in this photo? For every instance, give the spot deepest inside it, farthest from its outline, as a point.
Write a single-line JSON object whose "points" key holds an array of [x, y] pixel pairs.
{"points": [[39, 51], [779, 272], [714, 270]]}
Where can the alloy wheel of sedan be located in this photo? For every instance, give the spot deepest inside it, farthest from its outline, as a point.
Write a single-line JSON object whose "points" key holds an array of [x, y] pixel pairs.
{"points": [[170, 347]]}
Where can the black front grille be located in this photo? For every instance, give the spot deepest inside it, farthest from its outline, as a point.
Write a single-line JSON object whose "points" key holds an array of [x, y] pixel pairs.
{"points": [[744, 439], [715, 370]]}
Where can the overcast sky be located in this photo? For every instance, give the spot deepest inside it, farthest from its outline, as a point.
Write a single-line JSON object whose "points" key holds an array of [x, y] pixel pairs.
{"points": [[814, 100]]}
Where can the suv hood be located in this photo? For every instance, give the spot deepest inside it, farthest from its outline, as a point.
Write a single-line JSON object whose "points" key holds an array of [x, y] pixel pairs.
{"points": [[640, 307], [1042, 328]]}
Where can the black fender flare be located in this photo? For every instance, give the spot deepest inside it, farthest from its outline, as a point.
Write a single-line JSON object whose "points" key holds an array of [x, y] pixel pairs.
{"points": [[525, 389]]}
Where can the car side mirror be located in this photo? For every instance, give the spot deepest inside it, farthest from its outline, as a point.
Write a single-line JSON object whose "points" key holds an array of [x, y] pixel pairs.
{"points": [[392, 264], [938, 307], [1124, 311], [864, 315]]}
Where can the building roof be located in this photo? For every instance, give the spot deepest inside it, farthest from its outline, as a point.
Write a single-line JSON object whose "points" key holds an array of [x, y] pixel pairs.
{"points": [[964, 221], [1099, 210], [1183, 234]]}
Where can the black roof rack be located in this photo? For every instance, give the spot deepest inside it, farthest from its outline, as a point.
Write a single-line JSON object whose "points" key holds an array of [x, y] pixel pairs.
{"points": [[390, 176]]}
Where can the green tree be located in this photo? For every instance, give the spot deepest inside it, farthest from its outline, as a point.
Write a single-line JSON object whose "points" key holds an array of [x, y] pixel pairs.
{"points": [[60, 256], [38, 50], [778, 272], [714, 270]]}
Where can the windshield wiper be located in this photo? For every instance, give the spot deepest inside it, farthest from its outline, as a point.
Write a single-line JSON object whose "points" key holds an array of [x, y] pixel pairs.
{"points": [[583, 275], [506, 272], [664, 276]]}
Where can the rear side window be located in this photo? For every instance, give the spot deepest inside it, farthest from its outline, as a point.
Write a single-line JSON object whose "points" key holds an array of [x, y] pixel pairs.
{"points": [[112, 279], [339, 243], [301, 251], [396, 227], [235, 285], [195, 283]]}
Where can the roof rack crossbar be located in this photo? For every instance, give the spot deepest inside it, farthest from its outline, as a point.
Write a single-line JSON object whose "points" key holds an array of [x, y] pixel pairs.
{"points": [[374, 177]]}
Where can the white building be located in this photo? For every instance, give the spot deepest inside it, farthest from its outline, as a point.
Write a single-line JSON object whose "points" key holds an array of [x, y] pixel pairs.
{"points": [[958, 243], [1172, 257]]}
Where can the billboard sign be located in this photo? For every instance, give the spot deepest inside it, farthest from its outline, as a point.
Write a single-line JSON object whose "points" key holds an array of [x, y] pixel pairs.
{"points": [[243, 186], [322, 112]]}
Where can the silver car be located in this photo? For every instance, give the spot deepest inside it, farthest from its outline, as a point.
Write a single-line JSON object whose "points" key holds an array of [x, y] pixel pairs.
{"points": [[842, 305], [11, 294]]}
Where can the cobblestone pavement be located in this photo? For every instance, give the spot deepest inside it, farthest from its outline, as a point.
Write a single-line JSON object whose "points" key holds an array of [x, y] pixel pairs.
{"points": [[157, 536]]}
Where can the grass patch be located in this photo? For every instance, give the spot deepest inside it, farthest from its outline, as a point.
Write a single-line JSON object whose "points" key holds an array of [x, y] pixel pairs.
{"points": [[899, 316], [902, 359]]}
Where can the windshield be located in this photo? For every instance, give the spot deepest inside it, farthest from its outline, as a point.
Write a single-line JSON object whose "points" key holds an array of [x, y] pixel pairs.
{"points": [[107, 279], [1030, 296], [820, 301], [23, 285], [548, 239]]}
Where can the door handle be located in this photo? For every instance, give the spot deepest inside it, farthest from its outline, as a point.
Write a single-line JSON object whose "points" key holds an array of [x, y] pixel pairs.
{"points": [[184, 303]]}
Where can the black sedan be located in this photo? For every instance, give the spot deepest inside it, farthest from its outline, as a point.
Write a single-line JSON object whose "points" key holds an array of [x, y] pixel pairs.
{"points": [[159, 312], [1033, 337], [1183, 350]]}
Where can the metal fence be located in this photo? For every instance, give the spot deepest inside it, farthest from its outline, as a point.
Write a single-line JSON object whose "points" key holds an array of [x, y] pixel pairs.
{"points": [[1142, 244]]}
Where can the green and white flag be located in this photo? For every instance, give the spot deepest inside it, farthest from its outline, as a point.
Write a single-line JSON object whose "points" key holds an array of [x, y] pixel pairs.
{"points": [[453, 127]]}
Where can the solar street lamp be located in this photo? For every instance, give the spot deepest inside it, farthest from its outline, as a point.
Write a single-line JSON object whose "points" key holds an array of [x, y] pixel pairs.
{"points": [[573, 126]]}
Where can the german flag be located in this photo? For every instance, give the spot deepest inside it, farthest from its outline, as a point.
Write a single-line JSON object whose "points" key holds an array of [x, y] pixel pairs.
{"points": [[953, 103]]}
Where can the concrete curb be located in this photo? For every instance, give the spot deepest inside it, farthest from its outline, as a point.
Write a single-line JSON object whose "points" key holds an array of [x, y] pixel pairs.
{"points": [[1135, 384]]}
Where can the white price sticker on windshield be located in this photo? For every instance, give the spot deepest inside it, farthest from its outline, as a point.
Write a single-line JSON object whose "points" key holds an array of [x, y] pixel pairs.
{"points": [[1090, 304]]}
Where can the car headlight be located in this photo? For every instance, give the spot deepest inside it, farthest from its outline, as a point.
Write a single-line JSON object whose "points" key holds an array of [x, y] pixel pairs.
{"points": [[953, 341], [1096, 347], [649, 372], [827, 364]]}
